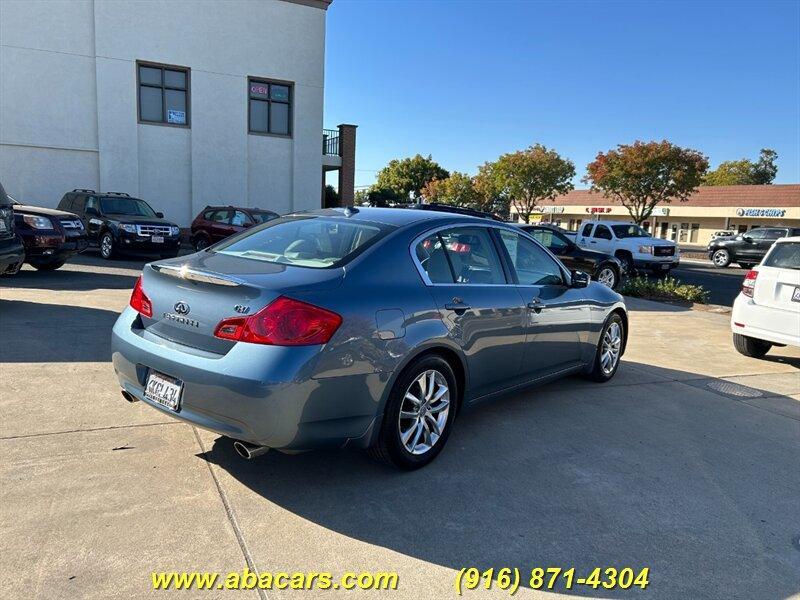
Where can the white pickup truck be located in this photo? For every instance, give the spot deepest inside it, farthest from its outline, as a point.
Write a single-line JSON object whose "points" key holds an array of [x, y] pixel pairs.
{"points": [[631, 244]]}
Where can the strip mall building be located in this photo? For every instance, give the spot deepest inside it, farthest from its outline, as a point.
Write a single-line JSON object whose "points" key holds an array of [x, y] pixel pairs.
{"points": [[735, 208]]}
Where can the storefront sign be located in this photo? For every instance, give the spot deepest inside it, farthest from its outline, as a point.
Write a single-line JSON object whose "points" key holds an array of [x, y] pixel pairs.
{"points": [[598, 209], [660, 211], [760, 212], [549, 209]]}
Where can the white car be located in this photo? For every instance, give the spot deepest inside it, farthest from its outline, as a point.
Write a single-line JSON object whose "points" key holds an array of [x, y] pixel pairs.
{"points": [[766, 312], [631, 244]]}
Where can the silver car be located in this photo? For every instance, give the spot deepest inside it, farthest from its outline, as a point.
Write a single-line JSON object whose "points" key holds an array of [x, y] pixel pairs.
{"points": [[369, 328]]}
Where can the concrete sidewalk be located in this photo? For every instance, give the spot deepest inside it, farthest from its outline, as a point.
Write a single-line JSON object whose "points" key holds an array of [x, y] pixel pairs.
{"points": [[687, 463]]}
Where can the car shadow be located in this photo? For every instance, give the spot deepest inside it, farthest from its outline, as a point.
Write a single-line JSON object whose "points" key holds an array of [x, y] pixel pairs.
{"points": [[37, 332], [71, 280], [699, 486]]}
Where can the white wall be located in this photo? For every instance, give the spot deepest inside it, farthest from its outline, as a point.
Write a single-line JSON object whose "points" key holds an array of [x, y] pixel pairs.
{"points": [[68, 108]]}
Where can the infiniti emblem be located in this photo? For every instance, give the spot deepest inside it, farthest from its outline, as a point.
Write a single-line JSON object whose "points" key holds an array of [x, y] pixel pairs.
{"points": [[181, 308]]}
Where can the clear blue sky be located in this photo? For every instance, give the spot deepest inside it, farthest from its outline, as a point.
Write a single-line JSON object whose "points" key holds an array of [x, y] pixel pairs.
{"points": [[467, 81]]}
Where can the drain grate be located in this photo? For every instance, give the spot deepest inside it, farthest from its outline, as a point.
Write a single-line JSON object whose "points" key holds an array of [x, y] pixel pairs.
{"points": [[734, 389]]}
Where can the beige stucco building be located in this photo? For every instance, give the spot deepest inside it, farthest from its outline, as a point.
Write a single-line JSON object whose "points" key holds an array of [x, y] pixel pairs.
{"points": [[735, 208]]}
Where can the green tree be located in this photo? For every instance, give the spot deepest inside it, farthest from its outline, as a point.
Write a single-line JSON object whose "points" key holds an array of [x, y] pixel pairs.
{"points": [[456, 190], [745, 171], [491, 196], [531, 176], [331, 196], [407, 176], [643, 175]]}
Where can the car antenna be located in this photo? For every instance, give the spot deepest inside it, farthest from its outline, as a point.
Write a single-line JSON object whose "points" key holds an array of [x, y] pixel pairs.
{"points": [[350, 210]]}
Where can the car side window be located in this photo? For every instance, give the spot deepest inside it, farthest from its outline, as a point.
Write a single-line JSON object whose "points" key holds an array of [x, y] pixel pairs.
{"points": [[587, 229], [91, 202], [433, 259], [602, 232], [774, 234], [472, 256], [548, 238], [532, 264], [239, 218], [756, 234], [219, 216]]}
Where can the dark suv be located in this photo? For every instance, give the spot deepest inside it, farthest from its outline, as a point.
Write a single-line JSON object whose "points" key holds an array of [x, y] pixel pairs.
{"points": [[215, 223], [12, 253], [50, 236], [748, 248], [119, 223]]}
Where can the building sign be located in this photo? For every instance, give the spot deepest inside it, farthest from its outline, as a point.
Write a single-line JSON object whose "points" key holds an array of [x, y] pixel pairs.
{"points": [[549, 209], [593, 210], [760, 212], [660, 211], [178, 117]]}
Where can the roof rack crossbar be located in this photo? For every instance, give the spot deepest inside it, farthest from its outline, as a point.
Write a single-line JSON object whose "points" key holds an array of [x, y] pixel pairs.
{"points": [[84, 190]]}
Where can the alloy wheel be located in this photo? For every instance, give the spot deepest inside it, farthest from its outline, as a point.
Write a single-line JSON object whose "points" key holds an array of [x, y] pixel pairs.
{"points": [[106, 245], [720, 258], [607, 277], [423, 412], [609, 353]]}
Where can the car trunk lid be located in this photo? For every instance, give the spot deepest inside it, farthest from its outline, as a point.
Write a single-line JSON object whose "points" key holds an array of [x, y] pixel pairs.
{"points": [[775, 288], [191, 295]]}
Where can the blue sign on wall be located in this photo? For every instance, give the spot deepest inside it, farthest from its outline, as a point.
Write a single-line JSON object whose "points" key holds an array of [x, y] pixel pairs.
{"points": [[178, 117]]}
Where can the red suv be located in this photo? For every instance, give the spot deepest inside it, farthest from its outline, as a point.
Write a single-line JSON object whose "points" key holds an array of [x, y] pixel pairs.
{"points": [[215, 223]]}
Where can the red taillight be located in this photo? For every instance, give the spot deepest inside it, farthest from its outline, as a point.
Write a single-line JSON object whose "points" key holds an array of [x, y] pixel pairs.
{"points": [[749, 283], [139, 301], [284, 322]]}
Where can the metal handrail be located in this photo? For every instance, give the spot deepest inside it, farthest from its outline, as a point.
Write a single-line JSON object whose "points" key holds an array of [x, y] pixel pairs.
{"points": [[330, 142]]}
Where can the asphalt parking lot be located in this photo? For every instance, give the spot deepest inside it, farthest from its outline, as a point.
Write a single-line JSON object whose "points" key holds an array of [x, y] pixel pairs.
{"points": [[685, 463], [723, 285]]}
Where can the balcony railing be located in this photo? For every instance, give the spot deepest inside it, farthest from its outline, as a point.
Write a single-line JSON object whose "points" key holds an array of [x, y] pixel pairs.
{"points": [[330, 142]]}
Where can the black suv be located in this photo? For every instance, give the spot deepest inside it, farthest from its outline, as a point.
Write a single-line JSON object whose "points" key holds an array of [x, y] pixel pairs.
{"points": [[604, 268], [12, 253], [121, 224], [747, 249]]}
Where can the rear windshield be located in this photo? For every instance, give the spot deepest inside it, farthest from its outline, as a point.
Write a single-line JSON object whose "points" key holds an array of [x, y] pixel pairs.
{"points": [[126, 206], [784, 256], [304, 241], [629, 231]]}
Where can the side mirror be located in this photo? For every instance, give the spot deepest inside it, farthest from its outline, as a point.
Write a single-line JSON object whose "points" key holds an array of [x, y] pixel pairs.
{"points": [[747, 239], [580, 279], [160, 215]]}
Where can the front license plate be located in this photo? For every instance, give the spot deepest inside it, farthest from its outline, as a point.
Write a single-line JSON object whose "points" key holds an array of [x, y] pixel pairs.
{"points": [[796, 295], [164, 389], [2, 225], [158, 239], [664, 267]]}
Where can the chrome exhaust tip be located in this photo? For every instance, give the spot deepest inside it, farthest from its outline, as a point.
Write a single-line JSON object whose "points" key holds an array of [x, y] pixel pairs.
{"points": [[129, 397], [247, 450]]}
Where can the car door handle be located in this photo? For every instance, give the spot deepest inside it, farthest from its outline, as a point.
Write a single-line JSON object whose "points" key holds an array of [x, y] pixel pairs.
{"points": [[592, 242], [457, 306], [536, 305]]}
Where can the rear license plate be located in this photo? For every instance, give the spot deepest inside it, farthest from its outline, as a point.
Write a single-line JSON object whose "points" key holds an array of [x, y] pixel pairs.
{"points": [[164, 389], [796, 295], [157, 239], [664, 267]]}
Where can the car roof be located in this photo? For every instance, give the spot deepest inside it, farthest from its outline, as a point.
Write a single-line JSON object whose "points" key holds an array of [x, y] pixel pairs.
{"points": [[604, 222], [397, 217], [788, 240], [245, 208]]}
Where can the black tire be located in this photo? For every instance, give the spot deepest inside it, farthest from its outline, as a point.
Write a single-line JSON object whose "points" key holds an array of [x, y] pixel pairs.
{"points": [[627, 263], [597, 372], [108, 249], [746, 265], [721, 258], [613, 274], [201, 243], [51, 266], [752, 347], [390, 448]]}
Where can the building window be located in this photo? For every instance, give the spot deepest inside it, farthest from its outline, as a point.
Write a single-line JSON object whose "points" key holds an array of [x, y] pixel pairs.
{"points": [[269, 107], [163, 94]]}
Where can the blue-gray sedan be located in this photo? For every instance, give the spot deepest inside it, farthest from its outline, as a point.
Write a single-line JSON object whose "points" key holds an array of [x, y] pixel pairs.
{"points": [[367, 327]]}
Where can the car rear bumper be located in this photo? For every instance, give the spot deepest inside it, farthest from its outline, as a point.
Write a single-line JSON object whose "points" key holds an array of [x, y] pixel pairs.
{"points": [[12, 255], [266, 395], [764, 322]]}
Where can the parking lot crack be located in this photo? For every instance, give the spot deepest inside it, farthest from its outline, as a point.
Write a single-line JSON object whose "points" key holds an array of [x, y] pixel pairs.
{"points": [[86, 430], [248, 557]]}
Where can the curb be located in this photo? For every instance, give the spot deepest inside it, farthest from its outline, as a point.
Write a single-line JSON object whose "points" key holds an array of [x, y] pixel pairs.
{"points": [[711, 308]]}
